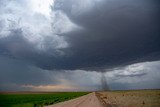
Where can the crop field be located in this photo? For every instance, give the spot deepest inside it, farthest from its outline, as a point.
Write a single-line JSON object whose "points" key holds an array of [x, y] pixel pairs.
{"points": [[131, 98], [36, 99]]}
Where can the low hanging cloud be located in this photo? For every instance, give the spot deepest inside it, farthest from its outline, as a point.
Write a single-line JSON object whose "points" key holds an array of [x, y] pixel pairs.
{"points": [[19, 75]]}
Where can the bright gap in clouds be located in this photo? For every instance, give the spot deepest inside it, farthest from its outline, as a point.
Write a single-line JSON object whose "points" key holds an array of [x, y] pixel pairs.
{"points": [[37, 23], [42, 6]]}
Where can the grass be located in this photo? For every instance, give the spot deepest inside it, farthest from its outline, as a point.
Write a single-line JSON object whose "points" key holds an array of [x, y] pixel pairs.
{"points": [[132, 98], [36, 99]]}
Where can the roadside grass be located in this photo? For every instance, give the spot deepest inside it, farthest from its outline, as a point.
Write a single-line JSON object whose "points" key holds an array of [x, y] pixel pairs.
{"points": [[36, 99]]}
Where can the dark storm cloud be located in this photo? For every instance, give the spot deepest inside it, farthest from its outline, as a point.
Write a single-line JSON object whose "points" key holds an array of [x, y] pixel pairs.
{"points": [[15, 44], [114, 33]]}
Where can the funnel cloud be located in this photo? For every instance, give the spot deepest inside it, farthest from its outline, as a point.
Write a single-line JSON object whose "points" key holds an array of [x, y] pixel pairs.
{"points": [[104, 83]]}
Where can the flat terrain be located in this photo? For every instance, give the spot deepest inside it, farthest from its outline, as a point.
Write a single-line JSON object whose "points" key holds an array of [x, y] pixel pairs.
{"points": [[35, 99], [135, 98], [89, 100], [132, 98]]}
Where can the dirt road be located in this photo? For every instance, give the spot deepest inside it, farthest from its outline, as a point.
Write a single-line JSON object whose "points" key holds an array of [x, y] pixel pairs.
{"points": [[90, 100], [132, 98]]}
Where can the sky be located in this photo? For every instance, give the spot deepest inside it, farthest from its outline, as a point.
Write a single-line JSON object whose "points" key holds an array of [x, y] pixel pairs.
{"points": [[69, 45]]}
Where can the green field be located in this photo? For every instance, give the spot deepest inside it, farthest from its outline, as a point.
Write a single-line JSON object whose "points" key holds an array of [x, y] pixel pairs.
{"points": [[36, 99]]}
